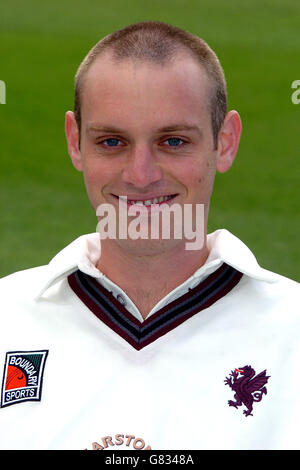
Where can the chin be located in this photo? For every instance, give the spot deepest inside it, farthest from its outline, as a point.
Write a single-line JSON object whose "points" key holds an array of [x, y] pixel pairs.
{"points": [[147, 247]]}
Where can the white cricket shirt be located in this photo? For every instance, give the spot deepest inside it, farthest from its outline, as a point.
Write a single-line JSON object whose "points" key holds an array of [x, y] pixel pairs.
{"points": [[213, 366]]}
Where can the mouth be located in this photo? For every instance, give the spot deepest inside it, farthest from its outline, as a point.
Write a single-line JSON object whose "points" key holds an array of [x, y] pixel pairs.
{"points": [[146, 201]]}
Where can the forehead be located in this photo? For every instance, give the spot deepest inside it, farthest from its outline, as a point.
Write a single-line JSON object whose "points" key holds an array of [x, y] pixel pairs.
{"points": [[145, 91]]}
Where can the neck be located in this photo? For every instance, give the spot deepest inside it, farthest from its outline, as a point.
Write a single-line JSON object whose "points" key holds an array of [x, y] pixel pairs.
{"points": [[146, 279]]}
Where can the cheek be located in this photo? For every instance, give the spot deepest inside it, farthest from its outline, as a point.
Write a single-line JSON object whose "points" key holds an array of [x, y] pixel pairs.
{"points": [[96, 172], [100, 177], [94, 180], [201, 179], [92, 189]]}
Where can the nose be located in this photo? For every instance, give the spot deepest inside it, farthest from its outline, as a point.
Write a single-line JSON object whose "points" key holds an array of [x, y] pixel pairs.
{"points": [[141, 167]]}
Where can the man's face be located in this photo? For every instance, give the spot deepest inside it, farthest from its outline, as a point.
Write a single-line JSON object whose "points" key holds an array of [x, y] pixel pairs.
{"points": [[146, 133]]}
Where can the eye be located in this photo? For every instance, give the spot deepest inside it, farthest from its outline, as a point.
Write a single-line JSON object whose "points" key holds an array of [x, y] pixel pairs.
{"points": [[111, 142], [174, 142]]}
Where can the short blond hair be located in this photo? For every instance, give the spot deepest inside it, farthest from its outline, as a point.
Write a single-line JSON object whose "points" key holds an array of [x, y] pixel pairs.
{"points": [[158, 42]]}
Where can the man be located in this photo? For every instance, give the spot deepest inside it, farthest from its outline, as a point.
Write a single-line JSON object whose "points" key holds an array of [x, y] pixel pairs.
{"points": [[144, 343]]}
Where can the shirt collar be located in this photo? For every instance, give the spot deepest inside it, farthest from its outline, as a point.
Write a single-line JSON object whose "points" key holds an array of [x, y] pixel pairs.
{"points": [[84, 254]]}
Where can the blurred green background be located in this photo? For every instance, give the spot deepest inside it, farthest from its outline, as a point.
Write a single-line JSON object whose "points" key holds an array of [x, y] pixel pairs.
{"points": [[43, 204]]}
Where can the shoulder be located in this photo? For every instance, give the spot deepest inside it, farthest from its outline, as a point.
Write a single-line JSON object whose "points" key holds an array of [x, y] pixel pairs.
{"points": [[20, 283], [270, 300], [256, 280], [277, 286], [83, 250], [23, 275]]}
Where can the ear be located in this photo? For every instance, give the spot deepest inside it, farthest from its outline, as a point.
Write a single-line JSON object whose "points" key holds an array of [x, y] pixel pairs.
{"points": [[228, 141], [72, 135]]}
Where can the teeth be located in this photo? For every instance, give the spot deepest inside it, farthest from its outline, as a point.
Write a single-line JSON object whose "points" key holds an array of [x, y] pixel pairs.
{"points": [[148, 202]]}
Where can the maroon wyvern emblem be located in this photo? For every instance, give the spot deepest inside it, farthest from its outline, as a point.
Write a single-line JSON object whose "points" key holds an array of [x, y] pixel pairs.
{"points": [[248, 387]]}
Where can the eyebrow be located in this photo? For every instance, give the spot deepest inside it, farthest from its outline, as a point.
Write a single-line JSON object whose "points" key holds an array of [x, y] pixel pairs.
{"points": [[167, 129], [97, 128], [181, 127]]}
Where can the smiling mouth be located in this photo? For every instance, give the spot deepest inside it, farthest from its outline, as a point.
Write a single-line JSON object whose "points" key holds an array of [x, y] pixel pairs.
{"points": [[146, 202]]}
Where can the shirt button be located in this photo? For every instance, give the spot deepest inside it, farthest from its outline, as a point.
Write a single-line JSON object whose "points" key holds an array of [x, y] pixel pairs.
{"points": [[121, 299]]}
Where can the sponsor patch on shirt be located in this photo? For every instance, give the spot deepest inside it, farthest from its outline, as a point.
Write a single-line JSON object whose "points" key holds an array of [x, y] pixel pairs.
{"points": [[23, 376], [121, 440]]}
